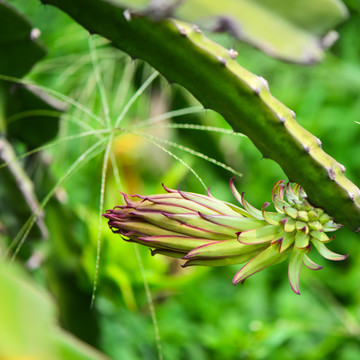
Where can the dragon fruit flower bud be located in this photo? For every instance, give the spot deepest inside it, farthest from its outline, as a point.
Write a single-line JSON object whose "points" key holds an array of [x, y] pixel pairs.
{"points": [[203, 230]]}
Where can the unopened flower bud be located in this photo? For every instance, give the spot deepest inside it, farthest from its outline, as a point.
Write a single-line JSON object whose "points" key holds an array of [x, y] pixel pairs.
{"points": [[203, 230]]}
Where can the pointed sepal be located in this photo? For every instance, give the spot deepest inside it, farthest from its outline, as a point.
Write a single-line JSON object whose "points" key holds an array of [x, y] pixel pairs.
{"points": [[310, 264], [266, 258], [326, 253], [295, 262]]}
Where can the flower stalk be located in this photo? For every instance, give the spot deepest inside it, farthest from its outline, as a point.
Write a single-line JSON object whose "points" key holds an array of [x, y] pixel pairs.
{"points": [[203, 230]]}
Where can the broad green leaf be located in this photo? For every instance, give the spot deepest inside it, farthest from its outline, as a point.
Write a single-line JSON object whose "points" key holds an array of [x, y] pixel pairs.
{"points": [[28, 328]]}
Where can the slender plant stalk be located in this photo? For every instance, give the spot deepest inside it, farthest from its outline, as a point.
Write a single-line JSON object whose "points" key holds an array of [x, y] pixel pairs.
{"points": [[184, 55]]}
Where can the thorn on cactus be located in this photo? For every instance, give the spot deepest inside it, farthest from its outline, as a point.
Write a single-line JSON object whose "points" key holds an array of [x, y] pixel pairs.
{"points": [[127, 15], [256, 90], [351, 197], [221, 60], [196, 28], [202, 230], [282, 119], [331, 173], [233, 53], [182, 30]]}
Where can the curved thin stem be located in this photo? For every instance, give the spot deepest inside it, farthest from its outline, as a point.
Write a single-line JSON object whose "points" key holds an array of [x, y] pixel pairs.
{"points": [[141, 89], [101, 206]]}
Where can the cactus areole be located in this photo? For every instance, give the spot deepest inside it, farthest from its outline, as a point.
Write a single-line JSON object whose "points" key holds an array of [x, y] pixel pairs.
{"points": [[203, 230]]}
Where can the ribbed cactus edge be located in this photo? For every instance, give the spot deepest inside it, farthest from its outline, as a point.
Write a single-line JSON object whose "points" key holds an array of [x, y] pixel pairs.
{"points": [[185, 56]]}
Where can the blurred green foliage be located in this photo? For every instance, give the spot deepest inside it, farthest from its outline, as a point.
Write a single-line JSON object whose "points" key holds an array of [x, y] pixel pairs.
{"points": [[200, 315], [28, 328], [305, 26]]}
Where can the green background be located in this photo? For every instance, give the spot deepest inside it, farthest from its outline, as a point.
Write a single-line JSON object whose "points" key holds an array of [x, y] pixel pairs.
{"points": [[200, 315]]}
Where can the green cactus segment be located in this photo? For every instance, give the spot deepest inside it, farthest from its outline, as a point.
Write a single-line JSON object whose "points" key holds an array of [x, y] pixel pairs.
{"points": [[184, 55]]}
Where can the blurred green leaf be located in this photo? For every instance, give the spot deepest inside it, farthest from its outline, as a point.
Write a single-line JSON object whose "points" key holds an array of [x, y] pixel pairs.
{"points": [[65, 273], [19, 47], [18, 41], [292, 30], [31, 115], [26, 115], [28, 326]]}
